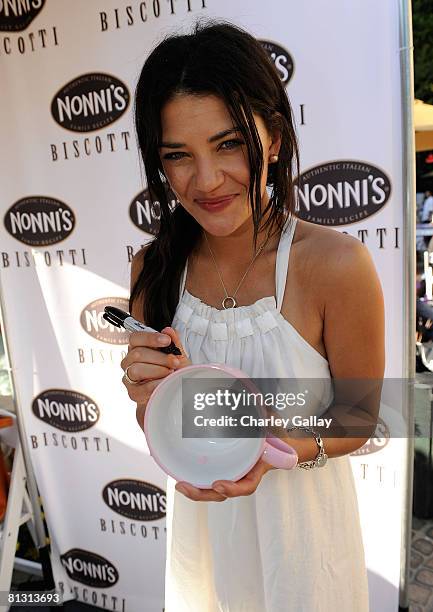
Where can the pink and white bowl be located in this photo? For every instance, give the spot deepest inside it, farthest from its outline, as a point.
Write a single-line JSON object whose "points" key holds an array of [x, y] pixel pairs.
{"points": [[202, 461]]}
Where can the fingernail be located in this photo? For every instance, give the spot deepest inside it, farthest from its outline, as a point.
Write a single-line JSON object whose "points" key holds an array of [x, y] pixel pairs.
{"points": [[163, 339], [220, 489]]}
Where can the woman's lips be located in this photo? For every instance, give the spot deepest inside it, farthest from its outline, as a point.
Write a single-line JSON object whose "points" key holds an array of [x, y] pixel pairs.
{"points": [[216, 205]]}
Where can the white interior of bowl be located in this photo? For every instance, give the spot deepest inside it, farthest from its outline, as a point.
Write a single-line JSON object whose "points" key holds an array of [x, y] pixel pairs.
{"points": [[199, 461]]}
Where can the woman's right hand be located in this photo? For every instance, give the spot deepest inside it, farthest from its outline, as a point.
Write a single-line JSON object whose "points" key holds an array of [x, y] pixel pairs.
{"points": [[150, 365]]}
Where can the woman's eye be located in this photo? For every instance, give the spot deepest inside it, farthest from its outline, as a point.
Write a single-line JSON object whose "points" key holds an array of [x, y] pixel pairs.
{"points": [[230, 144], [234, 142], [172, 156]]}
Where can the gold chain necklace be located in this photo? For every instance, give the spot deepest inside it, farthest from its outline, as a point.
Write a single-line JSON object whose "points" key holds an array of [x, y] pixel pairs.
{"points": [[231, 298]]}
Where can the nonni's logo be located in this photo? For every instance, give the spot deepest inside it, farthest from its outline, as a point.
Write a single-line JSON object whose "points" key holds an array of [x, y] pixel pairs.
{"points": [[95, 325], [90, 102], [341, 192], [66, 410], [135, 499], [375, 443], [17, 15], [39, 220], [89, 568], [145, 212], [281, 58]]}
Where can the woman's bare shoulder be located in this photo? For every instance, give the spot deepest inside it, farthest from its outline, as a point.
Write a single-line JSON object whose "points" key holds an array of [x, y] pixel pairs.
{"points": [[325, 244], [321, 237], [329, 254]]}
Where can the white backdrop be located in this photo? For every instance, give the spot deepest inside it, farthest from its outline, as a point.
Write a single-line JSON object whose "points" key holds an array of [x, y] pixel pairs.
{"points": [[74, 214]]}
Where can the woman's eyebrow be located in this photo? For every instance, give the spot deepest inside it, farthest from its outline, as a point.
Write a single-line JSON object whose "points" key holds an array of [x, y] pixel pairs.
{"points": [[177, 145]]}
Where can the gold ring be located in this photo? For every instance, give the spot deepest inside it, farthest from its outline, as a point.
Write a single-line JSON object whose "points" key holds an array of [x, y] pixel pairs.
{"points": [[131, 382]]}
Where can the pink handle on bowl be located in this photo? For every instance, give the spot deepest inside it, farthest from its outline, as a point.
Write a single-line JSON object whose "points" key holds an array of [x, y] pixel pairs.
{"points": [[279, 454]]}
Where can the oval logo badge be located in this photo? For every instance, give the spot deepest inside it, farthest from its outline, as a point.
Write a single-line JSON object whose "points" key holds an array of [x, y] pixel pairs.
{"points": [[145, 212], [95, 325], [39, 221], [341, 192], [89, 568], [282, 59], [17, 15], [375, 443], [90, 102], [66, 410], [135, 499]]}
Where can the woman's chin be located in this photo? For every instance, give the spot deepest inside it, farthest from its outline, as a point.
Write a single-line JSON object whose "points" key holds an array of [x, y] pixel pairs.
{"points": [[220, 229], [222, 226]]}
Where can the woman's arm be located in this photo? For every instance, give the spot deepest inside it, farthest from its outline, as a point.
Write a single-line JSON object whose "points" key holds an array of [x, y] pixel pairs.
{"points": [[353, 334], [146, 362]]}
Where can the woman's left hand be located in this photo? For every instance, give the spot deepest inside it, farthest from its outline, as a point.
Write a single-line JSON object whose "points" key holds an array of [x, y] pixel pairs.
{"points": [[222, 489]]}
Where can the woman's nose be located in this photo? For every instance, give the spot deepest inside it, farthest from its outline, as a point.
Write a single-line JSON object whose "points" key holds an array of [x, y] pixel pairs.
{"points": [[208, 177]]}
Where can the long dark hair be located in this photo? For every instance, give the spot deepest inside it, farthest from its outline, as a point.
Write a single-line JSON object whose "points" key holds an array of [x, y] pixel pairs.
{"points": [[217, 58]]}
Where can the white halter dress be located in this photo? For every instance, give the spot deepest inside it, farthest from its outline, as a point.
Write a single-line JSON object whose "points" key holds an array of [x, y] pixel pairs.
{"points": [[295, 545]]}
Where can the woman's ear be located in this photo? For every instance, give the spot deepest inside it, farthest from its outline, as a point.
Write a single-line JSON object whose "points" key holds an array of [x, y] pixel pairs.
{"points": [[274, 147], [275, 131]]}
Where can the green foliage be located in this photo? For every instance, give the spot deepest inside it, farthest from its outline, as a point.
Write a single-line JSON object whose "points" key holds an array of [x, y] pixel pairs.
{"points": [[422, 17]]}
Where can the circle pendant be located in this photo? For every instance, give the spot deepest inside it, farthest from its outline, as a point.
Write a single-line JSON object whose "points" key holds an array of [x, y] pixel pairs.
{"points": [[231, 300]]}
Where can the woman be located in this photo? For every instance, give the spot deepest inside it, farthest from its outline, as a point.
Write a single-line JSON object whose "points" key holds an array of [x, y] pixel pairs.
{"points": [[233, 277]]}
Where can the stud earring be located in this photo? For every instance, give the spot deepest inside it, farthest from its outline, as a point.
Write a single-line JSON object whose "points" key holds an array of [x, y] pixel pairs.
{"points": [[273, 159]]}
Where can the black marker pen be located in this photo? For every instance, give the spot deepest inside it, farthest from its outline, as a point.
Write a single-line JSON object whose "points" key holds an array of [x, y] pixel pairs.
{"points": [[120, 318]]}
